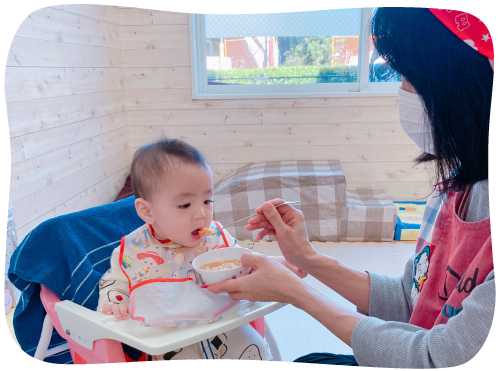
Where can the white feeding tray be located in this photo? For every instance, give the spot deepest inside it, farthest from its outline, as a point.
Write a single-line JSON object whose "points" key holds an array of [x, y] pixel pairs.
{"points": [[85, 326]]}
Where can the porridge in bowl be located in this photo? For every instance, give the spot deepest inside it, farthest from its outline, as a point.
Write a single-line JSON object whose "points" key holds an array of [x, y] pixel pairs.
{"points": [[221, 265]]}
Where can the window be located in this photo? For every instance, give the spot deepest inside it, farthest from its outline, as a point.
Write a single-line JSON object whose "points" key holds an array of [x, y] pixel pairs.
{"points": [[304, 54]]}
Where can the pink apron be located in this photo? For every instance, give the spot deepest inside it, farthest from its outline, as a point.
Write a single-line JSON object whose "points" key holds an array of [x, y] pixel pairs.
{"points": [[446, 271]]}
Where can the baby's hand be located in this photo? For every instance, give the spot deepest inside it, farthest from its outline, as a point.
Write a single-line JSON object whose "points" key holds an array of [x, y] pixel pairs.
{"points": [[120, 311]]}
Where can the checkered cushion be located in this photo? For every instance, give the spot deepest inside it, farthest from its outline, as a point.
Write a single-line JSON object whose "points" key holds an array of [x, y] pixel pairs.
{"points": [[370, 215], [318, 185]]}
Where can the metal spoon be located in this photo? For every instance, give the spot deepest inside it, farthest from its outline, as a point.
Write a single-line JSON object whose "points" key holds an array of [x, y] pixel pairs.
{"points": [[248, 217]]}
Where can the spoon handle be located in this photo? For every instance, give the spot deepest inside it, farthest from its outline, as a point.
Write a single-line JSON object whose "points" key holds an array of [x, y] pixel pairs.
{"points": [[248, 217]]}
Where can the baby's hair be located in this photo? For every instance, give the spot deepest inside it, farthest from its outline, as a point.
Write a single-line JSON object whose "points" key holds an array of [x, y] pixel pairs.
{"points": [[152, 161]]}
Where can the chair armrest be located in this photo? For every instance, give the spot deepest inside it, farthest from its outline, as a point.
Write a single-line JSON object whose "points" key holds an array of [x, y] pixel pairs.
{"points": [[85, 326]]}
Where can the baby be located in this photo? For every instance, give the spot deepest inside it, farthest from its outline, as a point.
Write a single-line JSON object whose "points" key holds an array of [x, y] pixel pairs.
{"points": [[173, 185]]}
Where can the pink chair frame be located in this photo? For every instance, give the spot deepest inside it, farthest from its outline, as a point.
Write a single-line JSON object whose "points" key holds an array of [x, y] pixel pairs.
{"points": [[104, 350]]}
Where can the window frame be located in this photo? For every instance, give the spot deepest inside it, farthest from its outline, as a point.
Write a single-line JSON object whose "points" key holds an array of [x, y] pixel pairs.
{"points": [[362, 88]]}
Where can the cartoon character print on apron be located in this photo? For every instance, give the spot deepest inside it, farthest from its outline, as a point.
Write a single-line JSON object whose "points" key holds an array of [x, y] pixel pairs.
{"points": [[165, 290], [447, 270]]}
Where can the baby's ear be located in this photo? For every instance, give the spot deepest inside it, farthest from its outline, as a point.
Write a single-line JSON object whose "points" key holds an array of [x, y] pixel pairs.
{"points": [[143, 209]]}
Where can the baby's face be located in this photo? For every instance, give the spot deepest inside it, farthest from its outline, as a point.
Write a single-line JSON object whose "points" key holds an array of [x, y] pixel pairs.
{"points": [[183, 206]]}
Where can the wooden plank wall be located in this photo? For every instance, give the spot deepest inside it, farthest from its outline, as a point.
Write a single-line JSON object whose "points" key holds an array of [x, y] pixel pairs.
{"points": [[86, 85], [68, 126], [363, 133]]}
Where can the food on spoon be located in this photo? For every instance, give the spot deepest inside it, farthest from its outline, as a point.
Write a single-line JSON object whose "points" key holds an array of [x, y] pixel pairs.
{"points": [[206, 231], [221, 265]]}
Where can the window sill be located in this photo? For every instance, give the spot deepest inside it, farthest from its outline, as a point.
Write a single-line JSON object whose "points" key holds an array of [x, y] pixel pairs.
{"points": [[357, 94]]}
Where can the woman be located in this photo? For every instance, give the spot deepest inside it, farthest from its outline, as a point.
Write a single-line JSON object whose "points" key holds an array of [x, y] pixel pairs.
{"points": [[439, 311]]}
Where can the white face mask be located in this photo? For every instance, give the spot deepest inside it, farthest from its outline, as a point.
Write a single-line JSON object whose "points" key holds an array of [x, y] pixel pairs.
{"points": [[412, 118]]}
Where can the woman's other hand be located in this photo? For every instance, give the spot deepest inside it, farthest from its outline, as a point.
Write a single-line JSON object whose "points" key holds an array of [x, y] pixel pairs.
{"points": [[287, 225], [120, 311], [268, 281]]}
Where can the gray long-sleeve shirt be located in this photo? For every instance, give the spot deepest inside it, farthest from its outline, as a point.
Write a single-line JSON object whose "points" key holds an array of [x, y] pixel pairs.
{"points": [[385, 339]]}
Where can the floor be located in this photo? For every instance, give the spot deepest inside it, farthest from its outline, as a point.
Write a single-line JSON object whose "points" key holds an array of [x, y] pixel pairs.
{"points": [[297, 333]]}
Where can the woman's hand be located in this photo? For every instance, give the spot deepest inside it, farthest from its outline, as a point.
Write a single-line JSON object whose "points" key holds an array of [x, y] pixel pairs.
{"points": [[299, 272], [268, 281], [120, 311], [287, 225], [271, 281]]}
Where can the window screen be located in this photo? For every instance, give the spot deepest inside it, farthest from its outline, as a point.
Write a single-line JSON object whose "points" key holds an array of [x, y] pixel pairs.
{"points": [[282, 48]]}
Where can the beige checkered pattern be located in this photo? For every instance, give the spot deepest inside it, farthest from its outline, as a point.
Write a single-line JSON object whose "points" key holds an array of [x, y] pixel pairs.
{"points": [[370, 215], [318, 185]]}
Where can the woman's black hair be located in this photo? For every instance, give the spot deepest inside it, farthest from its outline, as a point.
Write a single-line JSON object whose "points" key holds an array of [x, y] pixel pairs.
{"points": [[453, 81]]}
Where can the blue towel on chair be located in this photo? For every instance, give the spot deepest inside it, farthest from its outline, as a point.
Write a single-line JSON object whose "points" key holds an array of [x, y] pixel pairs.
{"points": [[68, 254]]}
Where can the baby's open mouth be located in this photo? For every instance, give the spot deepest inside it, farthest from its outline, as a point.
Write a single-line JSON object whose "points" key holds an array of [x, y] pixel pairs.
{"points": [[196, 232]]}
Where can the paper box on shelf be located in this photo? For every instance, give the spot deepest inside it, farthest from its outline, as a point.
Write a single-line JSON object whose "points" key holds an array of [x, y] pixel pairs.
{"points": [[409, 220]]}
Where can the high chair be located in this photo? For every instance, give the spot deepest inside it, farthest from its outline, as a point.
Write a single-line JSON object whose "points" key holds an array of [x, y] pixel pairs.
{"points": [[96, 337], [57, 268]]}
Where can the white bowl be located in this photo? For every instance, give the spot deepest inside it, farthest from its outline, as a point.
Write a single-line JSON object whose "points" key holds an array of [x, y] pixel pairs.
{"points": [[227, 253]]}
